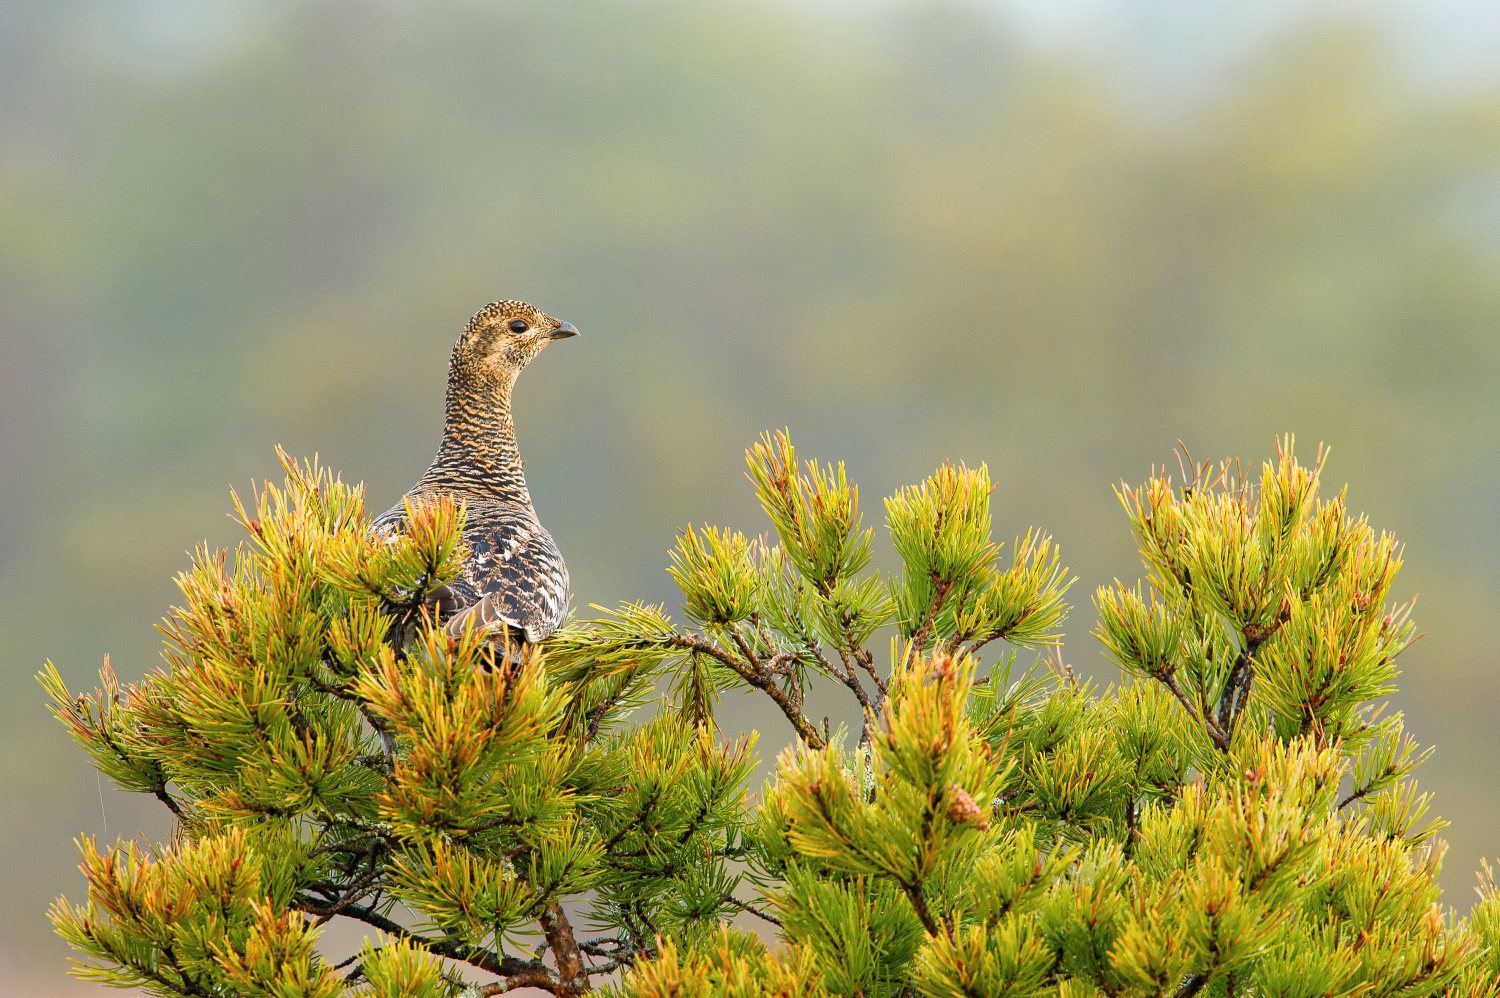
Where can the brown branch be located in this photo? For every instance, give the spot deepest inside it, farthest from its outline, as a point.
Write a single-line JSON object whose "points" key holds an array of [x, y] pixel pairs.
{"points": [[161, 794], [626, 827], [159, 787], [185, 987], [502, 966], [757, 912], [761, 681], [918, 901], [703, 812], [364, 885], [851, 680], [863, 660], [745, 650], [596, 716], [780, 664], [1361, 792], [342, 844], [814, 647], [387, 740], [537, 977], [997, 634], [596, 947], [765, 635], [1236, 692], [1168, 678], [573, 979], [485, 826], [616, 953], [189, 986], [918, 640]]}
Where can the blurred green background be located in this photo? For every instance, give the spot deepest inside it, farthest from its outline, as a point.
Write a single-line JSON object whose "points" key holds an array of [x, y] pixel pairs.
{"points": [[1052, 237]]}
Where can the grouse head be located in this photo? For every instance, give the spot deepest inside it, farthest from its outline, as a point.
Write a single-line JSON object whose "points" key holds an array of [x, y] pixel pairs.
{"points": [[504, 336]]}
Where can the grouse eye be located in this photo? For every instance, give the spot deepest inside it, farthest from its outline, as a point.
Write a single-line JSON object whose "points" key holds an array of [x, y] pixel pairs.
{"points": [[518, 326]]}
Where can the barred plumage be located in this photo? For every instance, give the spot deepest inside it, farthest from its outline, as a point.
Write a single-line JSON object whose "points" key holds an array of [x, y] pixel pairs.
{"points": [[516, 576]]}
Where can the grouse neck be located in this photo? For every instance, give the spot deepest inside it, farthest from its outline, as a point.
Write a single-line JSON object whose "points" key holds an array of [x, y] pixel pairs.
{"points": [[479, 437]]}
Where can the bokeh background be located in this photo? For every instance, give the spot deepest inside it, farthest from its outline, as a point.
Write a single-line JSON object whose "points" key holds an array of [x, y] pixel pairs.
{"points": [[1054, 237]]}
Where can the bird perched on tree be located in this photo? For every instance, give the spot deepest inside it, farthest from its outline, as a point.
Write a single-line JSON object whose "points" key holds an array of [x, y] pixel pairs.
{"points": [[515, 576]]}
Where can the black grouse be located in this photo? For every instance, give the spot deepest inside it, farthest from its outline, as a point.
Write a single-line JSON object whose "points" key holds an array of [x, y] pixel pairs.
{"points": [[515, 578]]}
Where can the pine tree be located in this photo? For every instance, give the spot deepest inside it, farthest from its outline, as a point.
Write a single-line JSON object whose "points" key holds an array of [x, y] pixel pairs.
{"points": [[1239, 816]]}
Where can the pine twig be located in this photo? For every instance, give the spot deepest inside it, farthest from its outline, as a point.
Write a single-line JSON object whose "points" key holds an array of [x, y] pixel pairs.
{"points": [[919, 639], [752, 909], [759, 680]]}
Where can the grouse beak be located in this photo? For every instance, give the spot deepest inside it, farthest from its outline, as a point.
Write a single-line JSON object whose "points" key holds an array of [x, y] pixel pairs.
{"points": [[563, 331]]}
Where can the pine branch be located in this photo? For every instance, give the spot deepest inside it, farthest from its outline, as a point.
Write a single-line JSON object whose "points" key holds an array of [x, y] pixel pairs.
{"points": [[850, 679], [1235, 695], [687, 833], [572, 978], [509, 967], [918, 899], [752, 909], [102, 732], [364, 885], [596, 716], [342, 845], [620, 954], [536, 977], [919, 639], [865, 661], [1168, 678], [627, 827], [183, 985], [746, 650], [765, 635], [1191, 986], [813, 647], [760, 680], [160, 790]]}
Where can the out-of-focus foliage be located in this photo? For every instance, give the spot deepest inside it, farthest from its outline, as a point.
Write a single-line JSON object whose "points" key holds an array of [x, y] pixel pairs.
{"points": [[1238, 818], [911, 232]]}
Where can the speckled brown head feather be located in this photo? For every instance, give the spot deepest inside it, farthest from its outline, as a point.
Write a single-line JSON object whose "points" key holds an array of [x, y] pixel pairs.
{"points": [[516, 577], [502, 338]]}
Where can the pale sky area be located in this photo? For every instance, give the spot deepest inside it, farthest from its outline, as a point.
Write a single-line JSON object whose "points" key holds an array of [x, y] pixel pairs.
{"points": [[1448, 41], [1166, 47]]}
